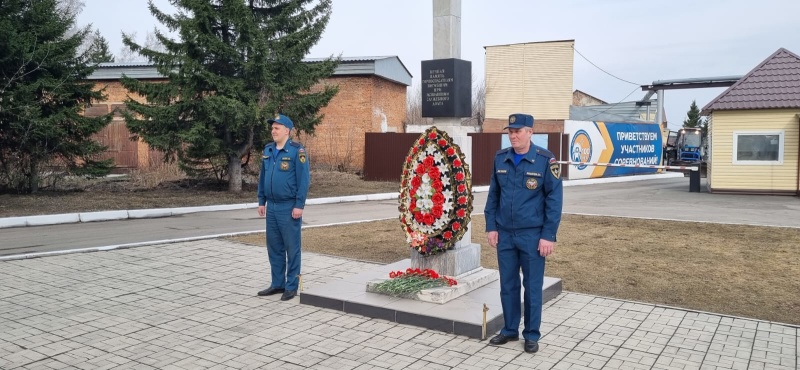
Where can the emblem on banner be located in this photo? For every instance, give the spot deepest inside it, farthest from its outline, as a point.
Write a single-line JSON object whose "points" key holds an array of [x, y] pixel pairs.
{"points": [[580, 149]]}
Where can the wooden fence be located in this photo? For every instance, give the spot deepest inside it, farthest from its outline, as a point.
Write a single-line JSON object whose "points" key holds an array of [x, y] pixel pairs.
{"points": [[385, 153]]}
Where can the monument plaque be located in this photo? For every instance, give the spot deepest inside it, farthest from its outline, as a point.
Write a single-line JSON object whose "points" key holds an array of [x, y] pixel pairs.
{"points": [[446, 88]]}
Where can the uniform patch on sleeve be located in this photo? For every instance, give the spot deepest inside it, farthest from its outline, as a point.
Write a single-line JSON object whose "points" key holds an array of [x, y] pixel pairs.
{"points": [[555, 169], [302, 156]]}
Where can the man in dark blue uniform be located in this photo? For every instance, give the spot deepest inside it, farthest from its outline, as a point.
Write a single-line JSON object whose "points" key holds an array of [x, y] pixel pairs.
{"points": [[283, 183], [523, 211]]}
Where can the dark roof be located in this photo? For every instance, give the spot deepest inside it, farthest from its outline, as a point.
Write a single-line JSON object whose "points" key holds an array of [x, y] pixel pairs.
{"points": [[388, 67], [773, 84]]}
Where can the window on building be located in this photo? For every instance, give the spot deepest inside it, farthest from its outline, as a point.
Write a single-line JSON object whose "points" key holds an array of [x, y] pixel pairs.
{"points": [[758, 147]]}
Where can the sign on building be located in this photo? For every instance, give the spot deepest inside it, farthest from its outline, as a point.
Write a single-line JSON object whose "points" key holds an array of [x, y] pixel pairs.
{"points": [[627, 144]]}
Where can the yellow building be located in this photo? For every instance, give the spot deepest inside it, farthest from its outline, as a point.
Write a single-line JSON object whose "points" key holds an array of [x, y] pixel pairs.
{"points": [[754, 130], [533, 78]]}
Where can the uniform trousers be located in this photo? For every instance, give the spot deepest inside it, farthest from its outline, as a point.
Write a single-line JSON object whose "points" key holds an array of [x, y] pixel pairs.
{"points": [[519, 250], [283, 245]]}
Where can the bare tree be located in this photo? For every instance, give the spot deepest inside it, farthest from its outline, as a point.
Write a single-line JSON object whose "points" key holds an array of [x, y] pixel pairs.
{"points": [[414, 109], [478, 104]]}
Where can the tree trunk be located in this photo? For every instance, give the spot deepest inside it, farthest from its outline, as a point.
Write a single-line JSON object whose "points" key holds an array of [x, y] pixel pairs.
{"points": [[234, 174], [33, 179]]}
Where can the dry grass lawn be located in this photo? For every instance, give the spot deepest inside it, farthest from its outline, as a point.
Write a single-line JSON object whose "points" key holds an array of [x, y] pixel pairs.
{"points": [[737, 270]]}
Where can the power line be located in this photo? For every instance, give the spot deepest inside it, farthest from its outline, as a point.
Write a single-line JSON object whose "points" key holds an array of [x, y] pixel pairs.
{"points": [[604, 71], [613, 105]]}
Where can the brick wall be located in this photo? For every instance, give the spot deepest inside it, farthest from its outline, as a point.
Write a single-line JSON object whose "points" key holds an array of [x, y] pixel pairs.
{"points": [[363, 104]]}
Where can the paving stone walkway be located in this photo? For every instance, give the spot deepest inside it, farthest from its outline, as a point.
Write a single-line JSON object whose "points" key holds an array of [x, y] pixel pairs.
{"points": [[193, 306]]}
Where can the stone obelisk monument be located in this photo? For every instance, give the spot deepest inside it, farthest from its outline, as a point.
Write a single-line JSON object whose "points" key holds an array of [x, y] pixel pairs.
{"points": [[447, 98]]}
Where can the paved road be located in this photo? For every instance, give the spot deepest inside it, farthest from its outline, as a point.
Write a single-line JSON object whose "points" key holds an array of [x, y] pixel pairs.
{"points": [[667, 198]]}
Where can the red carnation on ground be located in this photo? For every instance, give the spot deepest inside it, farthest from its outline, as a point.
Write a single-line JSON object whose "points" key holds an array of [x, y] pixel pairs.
{"points": [[460, 176]]}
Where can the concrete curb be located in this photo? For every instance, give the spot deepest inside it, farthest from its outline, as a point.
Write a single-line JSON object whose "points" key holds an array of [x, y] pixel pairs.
{"points": [[66, 218]]}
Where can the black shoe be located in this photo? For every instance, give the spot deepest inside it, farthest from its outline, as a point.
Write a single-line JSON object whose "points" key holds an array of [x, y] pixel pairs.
{"points": [[502, 339], [270, 291], [531, 346], [289, 294]]}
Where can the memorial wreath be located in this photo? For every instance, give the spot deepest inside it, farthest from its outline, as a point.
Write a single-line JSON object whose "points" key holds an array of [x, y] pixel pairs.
{"points": [[435, 193]]}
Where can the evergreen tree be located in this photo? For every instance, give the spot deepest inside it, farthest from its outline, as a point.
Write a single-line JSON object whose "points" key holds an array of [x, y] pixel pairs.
{"points": [[694, 119], [98, 49], [42, 94], [236, 65]]}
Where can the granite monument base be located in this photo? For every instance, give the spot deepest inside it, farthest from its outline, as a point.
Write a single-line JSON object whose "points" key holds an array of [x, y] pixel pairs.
{"points": [[461, 316]]}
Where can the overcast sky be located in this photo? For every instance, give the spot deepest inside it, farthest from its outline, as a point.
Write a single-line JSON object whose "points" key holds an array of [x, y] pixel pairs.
{"points": [[635, 40]]}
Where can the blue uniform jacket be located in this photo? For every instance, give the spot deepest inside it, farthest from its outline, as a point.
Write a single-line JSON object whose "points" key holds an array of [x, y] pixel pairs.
{"points": [[284, 174], [528, 195]]}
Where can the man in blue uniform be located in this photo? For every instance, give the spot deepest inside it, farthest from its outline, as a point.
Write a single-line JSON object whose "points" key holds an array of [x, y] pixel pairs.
{"points": [[283, 183], [523, 211]]}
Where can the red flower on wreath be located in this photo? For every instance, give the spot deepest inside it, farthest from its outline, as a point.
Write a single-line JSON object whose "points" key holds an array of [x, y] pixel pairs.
{"points": [[462, 200], [428, 162], [438, 199], [437, 211], [416, 182], [421, 141], [437, 184], [461, 187], [451, 152], [428, 219], [434, 173], [431, 136], [460, 176], [461, 213], [456, 226], [456, 163], [442, 142], [448, 235]]}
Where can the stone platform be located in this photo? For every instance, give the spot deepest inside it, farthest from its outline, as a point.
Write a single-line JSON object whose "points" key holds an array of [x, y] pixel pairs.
{"points": [[460, 316]]}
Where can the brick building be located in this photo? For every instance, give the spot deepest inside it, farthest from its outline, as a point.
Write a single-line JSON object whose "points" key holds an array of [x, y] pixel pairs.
{"points": [[371, 98]]}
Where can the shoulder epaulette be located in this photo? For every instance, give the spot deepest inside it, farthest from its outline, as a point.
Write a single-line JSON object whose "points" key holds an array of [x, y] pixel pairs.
{"points": [[295, 144], [545, 152], [502, 151]]}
